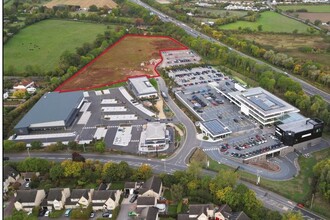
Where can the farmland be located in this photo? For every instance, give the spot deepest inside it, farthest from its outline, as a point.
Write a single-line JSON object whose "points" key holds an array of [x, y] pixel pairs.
{"points": [[82, 3], [43, 43], [131, 56], [271, 22], [309, 8], [290, 44], [322, 16]]}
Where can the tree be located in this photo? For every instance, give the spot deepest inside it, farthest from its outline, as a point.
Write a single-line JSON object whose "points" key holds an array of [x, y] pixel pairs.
{"points": [[176, 192], [93, 8], [223, 179], [72, 168], [77, 157], [32, 164], [20, 94], [292, 216], [143, 172], [56, 172], [100, 146], [260, 27], [36, 145], [322, 173], [194, 169], [317, 22]]}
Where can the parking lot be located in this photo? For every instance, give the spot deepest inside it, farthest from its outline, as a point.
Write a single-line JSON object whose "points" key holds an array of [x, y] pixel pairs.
{"points": [[179, 57]]}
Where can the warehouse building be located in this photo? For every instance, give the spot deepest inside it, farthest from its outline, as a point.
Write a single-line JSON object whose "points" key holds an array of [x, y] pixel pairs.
{"points": [[54, 111], [300, 132], [260, 104], [142, 88]]}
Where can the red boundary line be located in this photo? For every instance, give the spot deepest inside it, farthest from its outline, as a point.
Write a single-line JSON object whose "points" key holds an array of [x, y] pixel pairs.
{"points": [[58, 89]]}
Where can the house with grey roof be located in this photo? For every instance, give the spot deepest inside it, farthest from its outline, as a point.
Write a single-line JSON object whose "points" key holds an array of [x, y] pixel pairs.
{"points": [[56, 198], [145, 201], [105, 199], [202, 212], [152, 187], [10, 175], [149, 213], [79, 197], [239, 216], [26, 200], [54, 110], [142, 88]]}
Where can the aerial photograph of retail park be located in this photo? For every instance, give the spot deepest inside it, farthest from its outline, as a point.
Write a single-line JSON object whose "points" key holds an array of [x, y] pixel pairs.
{"points": [[162, 110]]}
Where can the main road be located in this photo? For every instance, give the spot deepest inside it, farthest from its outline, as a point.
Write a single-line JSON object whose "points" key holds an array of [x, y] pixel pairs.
{"points": [[309, 89]]}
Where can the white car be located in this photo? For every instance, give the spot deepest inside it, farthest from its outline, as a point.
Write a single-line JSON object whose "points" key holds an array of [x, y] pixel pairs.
{"points": [[47, 213], [27, 185]]}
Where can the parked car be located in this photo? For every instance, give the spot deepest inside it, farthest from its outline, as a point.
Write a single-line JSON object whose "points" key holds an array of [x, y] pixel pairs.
{"points": [[107, 214], [134, 197], [92, 215], [42, 212], [47, 213]]}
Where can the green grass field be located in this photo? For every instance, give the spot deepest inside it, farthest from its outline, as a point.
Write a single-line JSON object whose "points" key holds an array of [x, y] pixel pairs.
{"points": [[43, 43], [309, 8], [271, 22]]}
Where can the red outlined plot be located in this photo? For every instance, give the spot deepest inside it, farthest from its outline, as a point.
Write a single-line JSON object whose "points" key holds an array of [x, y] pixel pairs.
{"points": [[130, 56]]}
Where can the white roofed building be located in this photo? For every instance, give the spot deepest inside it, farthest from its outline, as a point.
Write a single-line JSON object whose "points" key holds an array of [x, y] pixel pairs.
{"points": [[154, 137], [142, 88]]}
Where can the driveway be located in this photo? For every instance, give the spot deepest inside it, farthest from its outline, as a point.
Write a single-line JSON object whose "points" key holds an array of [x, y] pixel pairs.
{"points": [[126, 207], [9, 206]]}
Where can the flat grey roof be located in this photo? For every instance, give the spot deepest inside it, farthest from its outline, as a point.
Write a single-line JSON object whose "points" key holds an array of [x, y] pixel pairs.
{"points": [[291, 117], [298, 126], [53, 106], [142, 85], [215, 127], [263, 101], [155, 131]]}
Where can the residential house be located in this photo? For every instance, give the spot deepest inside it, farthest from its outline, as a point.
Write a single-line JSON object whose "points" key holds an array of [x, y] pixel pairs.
{"points": [[202, 212], [28, 199], [56, 198], [23, 85], [239, 216], [105, 199], [79, 197], [145, 201], [103, 186], [10, 175], [152, 187], [225, 210], [129, 187], [149, 213]]}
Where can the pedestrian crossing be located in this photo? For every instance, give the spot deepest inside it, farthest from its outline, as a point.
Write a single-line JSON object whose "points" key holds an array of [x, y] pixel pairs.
{"points": [[135, 141], [211, 149]]}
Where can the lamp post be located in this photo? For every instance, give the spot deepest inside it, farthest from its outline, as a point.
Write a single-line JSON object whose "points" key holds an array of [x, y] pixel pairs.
{"points": [[164, 164], [28, 150]]}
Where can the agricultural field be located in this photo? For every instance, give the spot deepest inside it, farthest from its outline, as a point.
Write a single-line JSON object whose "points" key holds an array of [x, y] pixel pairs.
{"points": [[43, 43], [290, 45], [206, 12], [309, 8], [271, 22], [82, 3], [322, 16], [131, 56]]}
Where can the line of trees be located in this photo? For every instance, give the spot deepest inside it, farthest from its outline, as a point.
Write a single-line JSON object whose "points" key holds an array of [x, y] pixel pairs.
{"points": [[322, 174]]}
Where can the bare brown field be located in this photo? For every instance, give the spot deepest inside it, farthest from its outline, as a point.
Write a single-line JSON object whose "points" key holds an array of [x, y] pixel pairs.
{"points": [[324, 17], [133, 55], [290, 44], [82, 3]]}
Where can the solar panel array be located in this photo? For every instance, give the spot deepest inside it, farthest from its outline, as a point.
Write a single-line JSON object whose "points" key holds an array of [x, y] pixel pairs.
{"points": [[215, 127], [266, 102]]}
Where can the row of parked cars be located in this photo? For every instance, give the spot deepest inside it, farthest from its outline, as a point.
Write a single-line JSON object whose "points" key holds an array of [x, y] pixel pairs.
{"points": [[252, 142], [256, 152]]}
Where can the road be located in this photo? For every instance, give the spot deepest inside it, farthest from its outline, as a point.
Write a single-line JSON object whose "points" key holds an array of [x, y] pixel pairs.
{"points": [[270, 200], [309, 89]]}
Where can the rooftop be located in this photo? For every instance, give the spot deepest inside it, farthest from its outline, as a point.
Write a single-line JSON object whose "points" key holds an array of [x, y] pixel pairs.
{"points": [[154, 183], [144, 200], [142, 85], [26, 196], [52, 107], [291, 117], [104, 195], [215, 127], [155, 131], [55, 193], [263, 101], [301, 125], [9, 171]]}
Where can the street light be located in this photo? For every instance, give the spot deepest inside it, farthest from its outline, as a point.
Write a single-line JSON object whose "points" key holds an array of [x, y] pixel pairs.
{"points": [[164, 164]]}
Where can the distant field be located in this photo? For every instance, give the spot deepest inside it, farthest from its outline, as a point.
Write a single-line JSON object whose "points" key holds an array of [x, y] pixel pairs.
{"points": [[129, 57], [322, 16], [43, 43], [218, 12], [290, 45], [309, 8], [82, 3], [271, 22]]}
